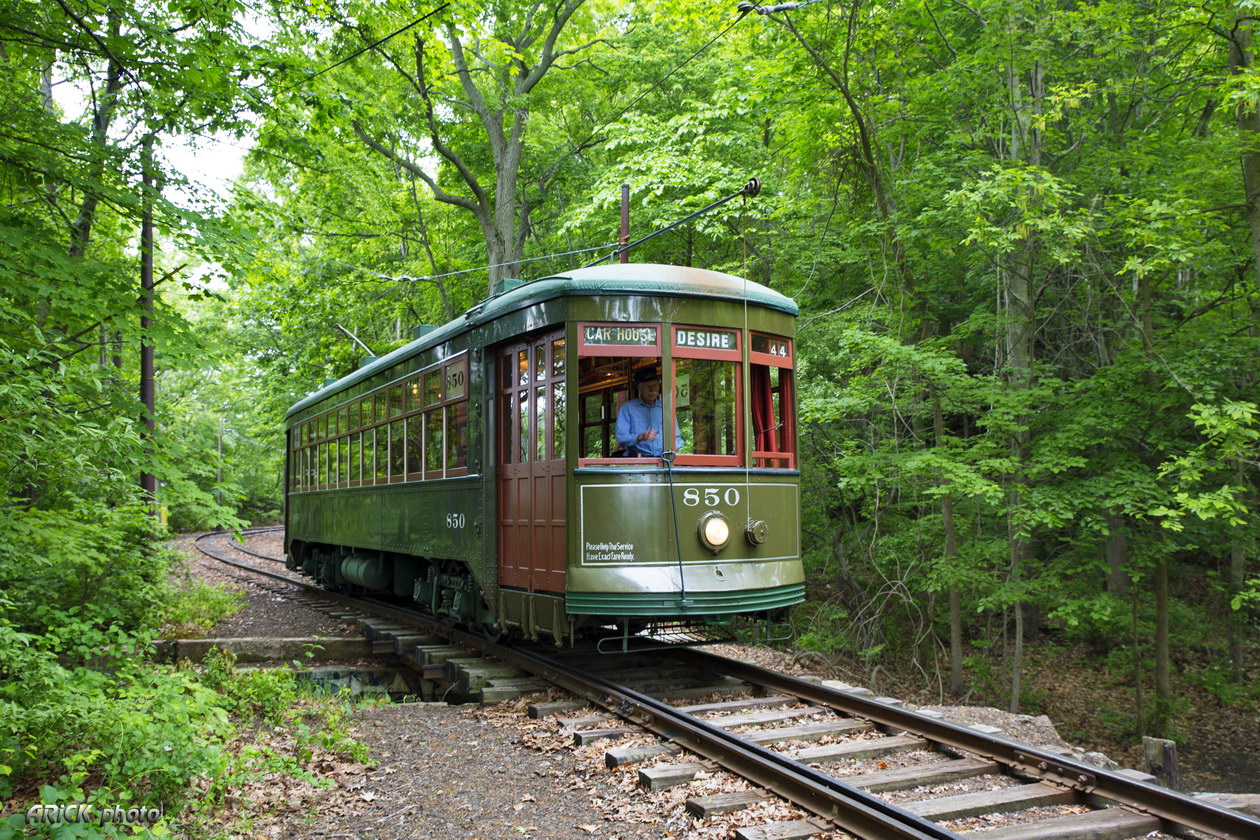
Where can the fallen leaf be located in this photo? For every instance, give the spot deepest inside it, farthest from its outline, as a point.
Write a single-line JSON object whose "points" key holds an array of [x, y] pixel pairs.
{"points": [[367, 796]]}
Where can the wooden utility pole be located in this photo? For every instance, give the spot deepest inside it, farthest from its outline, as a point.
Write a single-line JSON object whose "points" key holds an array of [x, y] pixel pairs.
{"points": [[624, 238]]}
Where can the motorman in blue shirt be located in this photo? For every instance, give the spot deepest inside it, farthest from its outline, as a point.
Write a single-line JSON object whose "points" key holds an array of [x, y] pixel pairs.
{"points": [[639, 422]]}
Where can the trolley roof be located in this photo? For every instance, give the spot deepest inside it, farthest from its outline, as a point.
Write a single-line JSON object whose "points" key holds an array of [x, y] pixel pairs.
{"points": [[628, 278]]}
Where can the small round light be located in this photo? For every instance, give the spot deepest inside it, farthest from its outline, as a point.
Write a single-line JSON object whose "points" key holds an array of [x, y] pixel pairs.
{"points": [[757, 532], [715, 531]]}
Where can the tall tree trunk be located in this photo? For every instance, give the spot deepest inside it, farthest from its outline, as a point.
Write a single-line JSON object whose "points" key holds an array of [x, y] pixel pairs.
{"points": [[102, 119], [148, 481], [1019, 356], [1027, 93], [1163, 667], [957, 684], [1237, 576], [1116, 553], [1241, 59], [1139, 699]]}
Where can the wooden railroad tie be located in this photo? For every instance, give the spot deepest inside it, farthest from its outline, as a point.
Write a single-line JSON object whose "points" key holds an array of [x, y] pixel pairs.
{"points": [[722, 803], [789, 830], [860, 749]]}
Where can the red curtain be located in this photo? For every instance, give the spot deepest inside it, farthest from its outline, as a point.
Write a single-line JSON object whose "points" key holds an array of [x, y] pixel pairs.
{"points": [[765, 432]]}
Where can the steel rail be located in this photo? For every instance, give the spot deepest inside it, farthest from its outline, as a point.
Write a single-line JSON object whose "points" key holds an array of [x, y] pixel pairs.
{"points": [[849, 808], [1174, 808], [856, 811], [240, 546]]}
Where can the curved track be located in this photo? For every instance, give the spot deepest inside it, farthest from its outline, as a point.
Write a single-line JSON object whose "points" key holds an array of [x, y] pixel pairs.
{"points": [[850, 803]]}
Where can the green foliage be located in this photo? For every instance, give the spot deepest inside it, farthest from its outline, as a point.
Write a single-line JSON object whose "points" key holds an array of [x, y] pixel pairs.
{"points": [[1018, 236], [823, 629], [137, 729], [92, 564], [198, 607], [1224, 683]]}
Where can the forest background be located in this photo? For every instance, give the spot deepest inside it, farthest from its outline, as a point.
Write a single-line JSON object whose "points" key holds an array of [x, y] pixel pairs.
{"points": [[1023, 234]]}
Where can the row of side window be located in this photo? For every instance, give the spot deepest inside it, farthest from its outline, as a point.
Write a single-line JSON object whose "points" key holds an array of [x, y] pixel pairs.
{"points": [[417, 429]]}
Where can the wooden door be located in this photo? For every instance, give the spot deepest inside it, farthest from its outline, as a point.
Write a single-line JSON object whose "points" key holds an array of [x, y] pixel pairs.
{"points": [[531, 397]]}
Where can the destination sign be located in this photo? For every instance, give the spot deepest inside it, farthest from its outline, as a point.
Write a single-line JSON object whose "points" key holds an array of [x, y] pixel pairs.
{"points": [[705, 339], [621, 336]]}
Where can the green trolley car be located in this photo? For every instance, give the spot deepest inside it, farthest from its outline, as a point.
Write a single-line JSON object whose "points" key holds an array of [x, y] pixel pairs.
{"points": [[477, 470]]}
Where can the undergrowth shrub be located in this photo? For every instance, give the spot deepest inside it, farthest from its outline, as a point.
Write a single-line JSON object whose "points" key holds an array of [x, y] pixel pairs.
{"points": [[197, 607], [85, 717], [91, 562], [126, 732]]}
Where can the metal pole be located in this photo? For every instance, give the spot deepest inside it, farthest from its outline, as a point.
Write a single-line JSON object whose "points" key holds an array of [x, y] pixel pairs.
{"points": [[750, 189], [355, 339]]}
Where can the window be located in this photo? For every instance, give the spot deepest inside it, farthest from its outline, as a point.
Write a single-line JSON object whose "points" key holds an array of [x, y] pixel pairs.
{"points": [[356, 473], [457, 435], [438, 436], [558, 411], [773, 412], [433, 387], [707, 403], [397, 445], [415, 445], [382, 453], [532, 399], [433, 444], [609, 355]]}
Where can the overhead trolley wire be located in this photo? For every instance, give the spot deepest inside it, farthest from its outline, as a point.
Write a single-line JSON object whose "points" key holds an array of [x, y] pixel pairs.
{"points": [[360, 52], [407, 278]]}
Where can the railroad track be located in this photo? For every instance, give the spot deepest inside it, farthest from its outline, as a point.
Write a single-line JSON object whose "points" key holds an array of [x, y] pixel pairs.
{"points": [[882, 750], [240, 546]]}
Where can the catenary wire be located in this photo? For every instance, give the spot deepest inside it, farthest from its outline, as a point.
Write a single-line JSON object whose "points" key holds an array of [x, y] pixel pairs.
{"points": [[407, 278]]}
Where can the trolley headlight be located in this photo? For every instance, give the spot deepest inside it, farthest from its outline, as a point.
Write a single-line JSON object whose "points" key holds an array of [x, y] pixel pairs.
{"points": [[715, 531]]}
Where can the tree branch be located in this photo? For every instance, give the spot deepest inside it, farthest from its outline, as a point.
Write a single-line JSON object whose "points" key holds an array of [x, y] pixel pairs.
{"points": [[104, 49], [438, 193], [482, 206]]}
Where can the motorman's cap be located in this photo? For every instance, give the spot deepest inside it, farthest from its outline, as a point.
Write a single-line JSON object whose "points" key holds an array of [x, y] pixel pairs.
{"points": [[647, 374]]}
